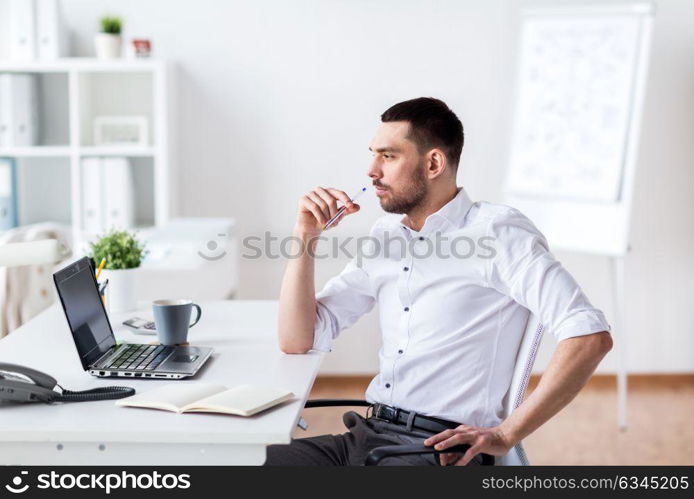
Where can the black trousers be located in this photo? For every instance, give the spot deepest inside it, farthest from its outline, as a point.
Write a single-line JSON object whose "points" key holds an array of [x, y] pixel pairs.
{"points": [[351, 448]]}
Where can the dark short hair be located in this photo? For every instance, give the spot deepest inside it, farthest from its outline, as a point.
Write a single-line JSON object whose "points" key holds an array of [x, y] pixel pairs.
{"points": [[432, 124]]}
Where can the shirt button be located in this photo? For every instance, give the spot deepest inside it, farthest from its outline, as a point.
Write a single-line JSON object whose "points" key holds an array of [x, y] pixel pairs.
{"points": [[407, 309], [387, 385], [399, 351], [421, 238], [406, 269]]}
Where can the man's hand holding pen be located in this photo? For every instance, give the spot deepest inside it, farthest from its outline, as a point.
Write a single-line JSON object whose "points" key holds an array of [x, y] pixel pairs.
{"points": [[318, 207]]}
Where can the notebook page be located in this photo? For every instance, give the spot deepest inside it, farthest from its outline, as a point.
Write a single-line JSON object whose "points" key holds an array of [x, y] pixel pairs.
{"points": [[176, 395], [244, 400]]}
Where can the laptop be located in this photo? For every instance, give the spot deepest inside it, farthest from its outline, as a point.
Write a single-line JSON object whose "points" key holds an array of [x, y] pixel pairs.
{"points": [[96, 344]]}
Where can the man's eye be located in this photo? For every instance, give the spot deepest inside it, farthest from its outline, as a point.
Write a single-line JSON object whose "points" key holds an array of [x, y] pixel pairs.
{"points": [[387, 156]]}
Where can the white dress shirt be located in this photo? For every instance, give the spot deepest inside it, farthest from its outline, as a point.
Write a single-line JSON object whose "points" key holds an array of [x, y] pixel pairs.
{"points": [[454, 300]]}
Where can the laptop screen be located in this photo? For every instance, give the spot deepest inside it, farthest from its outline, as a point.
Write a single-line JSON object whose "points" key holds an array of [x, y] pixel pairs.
{"points": [[84, 311]]}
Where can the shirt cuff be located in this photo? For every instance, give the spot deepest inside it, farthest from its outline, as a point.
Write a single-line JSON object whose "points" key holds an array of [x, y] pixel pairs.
{"points": [[322, 332], [322, 340], [582, 325]]}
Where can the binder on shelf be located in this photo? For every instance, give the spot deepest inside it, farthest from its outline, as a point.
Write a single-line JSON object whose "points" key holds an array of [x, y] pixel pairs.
{"points": [[8, 194], [92, 200], [50, 40], [18, 110], [108, 196], [4, 110], [118, 189], [22, 30]]}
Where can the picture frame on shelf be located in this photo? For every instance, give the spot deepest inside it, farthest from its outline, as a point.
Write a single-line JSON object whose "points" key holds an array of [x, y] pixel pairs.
{"points": [[121, 131]]}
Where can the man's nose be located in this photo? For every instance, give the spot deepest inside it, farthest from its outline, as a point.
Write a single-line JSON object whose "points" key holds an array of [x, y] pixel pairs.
{"points": [[375, 171]]}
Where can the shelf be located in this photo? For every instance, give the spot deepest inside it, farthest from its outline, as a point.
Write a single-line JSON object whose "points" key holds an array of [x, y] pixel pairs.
{"points": [[36, 152], [85, 151], [71, 93], [81, 64], [130, 151]]}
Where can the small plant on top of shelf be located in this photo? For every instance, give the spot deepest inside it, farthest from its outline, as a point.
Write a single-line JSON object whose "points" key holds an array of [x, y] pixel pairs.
{"points": [[108, 42], [111, 25]]}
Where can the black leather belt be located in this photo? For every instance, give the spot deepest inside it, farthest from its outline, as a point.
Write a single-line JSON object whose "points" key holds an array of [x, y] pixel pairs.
{"points": [[426, 423], [419, 422]]}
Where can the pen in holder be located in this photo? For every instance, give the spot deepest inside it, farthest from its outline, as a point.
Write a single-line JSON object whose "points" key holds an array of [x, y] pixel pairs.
{"points": [[104, 296]]}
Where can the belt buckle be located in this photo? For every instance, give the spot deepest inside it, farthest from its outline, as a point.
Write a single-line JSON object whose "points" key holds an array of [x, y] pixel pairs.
{"points": [[389, 413], [376, 410], [382, 411]]}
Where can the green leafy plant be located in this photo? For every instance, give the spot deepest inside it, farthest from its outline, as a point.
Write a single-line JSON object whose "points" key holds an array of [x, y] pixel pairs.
{"points": [[111, 25], [120, 248]]}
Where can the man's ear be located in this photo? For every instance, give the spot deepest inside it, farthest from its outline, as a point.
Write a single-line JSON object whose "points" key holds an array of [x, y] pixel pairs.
{"points": [[436, 163]]}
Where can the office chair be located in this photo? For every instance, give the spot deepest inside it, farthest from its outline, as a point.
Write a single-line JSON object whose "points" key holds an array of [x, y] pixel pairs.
{"points": [[24, 283], [525, 358], [30, 253]]}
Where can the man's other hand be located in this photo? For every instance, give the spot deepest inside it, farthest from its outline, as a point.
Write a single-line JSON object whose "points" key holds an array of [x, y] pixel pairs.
{"points": [[320, 205], [481, 440]]}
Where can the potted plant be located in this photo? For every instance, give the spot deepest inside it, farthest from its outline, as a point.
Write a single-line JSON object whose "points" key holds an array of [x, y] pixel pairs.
{"points": [[123, 253], [108, 42]]}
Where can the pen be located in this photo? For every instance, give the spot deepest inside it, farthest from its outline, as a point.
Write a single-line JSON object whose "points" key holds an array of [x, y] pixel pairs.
{"points": [[341, 210], [101, 267], [102, 288]]}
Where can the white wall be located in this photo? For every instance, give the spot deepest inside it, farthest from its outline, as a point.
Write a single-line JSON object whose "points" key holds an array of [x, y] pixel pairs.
{"points": [[277, 97]]}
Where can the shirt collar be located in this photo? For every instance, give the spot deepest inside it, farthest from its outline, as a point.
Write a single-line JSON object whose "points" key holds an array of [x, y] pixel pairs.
{"points": [[451, 214], [455, 210]]}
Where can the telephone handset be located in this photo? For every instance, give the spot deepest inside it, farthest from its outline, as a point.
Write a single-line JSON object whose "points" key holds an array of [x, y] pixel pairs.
{"points": [[24, 384]]}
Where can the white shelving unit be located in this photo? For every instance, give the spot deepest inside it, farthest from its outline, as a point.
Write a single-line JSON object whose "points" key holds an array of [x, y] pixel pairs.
{"points": [[91, 87]]}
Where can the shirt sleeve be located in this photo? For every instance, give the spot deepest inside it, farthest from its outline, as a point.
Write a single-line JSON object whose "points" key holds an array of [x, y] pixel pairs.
{"points": [[341, 302], [524, 269]]}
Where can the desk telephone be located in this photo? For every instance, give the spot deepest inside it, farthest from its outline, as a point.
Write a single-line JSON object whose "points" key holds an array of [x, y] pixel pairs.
{"points": [[24, 384]]}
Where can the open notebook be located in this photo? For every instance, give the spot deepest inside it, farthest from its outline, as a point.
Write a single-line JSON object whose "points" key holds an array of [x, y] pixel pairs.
{"points": [[243, 400]]}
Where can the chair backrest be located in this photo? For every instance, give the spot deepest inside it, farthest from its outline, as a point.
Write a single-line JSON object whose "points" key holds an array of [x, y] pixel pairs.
{"points": [[30, 253], [27, 257], [525, 358]]}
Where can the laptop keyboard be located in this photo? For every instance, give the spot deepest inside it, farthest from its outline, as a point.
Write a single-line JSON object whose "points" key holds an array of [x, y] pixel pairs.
{"points": [[140, 357]]}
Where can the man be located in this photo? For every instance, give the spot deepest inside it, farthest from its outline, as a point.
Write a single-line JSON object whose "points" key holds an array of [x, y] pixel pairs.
{"points": [[452, 315]]}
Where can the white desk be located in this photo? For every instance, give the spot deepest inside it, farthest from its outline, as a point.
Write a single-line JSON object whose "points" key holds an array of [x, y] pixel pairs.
{"points": [[243, 334]]}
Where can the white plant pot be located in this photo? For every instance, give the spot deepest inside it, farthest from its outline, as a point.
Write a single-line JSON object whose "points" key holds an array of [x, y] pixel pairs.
{"points": [[121, 292], [107, 46]]}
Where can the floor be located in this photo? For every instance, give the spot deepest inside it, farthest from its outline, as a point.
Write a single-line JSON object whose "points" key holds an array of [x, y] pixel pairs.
{"points": [[661, 427]]}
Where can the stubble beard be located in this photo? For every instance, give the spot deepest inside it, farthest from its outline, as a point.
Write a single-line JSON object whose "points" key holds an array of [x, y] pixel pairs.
{"points": [[413, 195]]}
